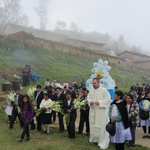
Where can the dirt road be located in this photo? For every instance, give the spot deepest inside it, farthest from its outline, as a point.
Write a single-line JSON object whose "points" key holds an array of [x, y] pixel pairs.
{"points": [[139, 140]]}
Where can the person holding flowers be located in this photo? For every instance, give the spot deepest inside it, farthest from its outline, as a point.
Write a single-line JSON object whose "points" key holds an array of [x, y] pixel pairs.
{"points": [[84, 115], [53, 97], [71, 113], [38, 96], [27, 114], [16, 103], [144, 105], [9, 107], [60, 97], [47, 113]]}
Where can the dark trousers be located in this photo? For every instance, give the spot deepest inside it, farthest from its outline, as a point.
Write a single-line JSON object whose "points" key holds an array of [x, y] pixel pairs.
{"points": [[119, 146], [61, 123], [25, 80], [71, 127], [84, 117], [32, 125], [145, 130], [53, 116], [132, 129], [38, 119], [13, 118], [9, 117], [25, 131]]}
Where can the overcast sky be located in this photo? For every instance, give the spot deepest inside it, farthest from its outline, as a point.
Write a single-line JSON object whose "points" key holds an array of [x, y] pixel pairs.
{"points": [[131, 18]]}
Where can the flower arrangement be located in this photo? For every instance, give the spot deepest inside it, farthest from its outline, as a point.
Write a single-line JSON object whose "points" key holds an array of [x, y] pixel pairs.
{"points": [[11, 96], [67, 118], [77, 104], [146, 104], [54, 105], [30, 93], [11, 99]]}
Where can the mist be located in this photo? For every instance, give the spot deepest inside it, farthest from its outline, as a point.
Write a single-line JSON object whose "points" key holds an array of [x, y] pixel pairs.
{"points": [[109, 17]]}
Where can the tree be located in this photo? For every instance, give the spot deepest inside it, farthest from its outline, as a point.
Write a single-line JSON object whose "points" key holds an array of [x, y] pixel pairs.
{"points": [[42, 12], [11, 12], [74, 27], [60, 25], [121, 38], [136, 49]]}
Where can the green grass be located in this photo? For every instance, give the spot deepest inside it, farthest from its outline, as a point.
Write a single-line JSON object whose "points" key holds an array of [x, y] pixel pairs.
{"points": [[60, 66], [56, 64], [52, 141]]}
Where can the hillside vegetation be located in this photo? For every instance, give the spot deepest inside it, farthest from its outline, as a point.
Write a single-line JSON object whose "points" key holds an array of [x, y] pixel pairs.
{"points": [[59, 65]]}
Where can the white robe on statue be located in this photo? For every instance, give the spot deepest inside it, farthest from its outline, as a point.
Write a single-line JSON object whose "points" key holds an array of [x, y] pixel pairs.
{"points": [[98, 116]]}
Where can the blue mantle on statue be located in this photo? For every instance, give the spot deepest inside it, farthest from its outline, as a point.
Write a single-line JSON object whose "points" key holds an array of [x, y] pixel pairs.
{"points": [[111, 92]]}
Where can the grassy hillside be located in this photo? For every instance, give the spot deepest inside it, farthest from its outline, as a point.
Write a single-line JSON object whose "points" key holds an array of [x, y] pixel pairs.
{"points": [[55, 64]]}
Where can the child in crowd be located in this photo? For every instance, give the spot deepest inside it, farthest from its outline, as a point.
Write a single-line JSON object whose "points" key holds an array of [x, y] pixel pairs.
{"points": [[26, 116]]}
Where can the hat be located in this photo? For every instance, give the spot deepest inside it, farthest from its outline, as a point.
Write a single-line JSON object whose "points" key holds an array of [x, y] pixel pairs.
{"points": [[111, 128], [144, 115]]}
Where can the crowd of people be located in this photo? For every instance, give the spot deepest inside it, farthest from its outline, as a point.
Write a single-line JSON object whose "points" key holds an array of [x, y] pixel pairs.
{"points": [[27, 75], [124, 113]]}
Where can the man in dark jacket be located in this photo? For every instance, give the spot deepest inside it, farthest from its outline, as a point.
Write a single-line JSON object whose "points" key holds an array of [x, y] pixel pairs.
{"points": [[84, 115], [60, 97], [53, 97], [38, 96], [67, 107], [17, 103]]}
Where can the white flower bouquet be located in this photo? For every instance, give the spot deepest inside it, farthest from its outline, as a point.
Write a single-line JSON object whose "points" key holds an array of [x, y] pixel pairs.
{"points": [[146, 104], [77, 104], [11, 99], [54, 105], [30, 93]]}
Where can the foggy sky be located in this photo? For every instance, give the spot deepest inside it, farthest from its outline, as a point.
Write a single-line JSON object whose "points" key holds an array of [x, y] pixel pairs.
{"points": [[131, 18]]}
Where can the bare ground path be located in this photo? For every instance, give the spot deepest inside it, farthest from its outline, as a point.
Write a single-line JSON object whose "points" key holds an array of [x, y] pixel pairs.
{"points": [[139, 140]]}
